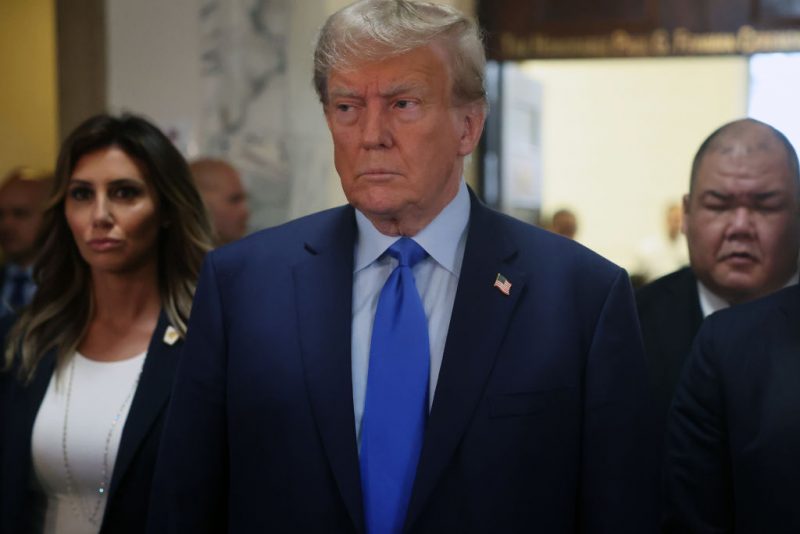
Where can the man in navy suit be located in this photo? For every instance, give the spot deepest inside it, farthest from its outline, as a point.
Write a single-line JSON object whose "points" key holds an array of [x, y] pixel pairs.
{"points": [[734, 430], [22, 198], [743, 233], [534, 395]]}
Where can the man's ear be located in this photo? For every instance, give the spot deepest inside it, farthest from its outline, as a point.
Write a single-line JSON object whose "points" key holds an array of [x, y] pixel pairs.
{"points": [[685, 217], [472, 118]]}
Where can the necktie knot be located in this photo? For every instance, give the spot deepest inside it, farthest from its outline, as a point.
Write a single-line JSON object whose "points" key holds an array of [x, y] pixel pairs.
{"points": [[407, 251]]}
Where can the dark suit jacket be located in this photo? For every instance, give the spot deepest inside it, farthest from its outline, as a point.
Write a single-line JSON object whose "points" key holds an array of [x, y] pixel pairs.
{"points": [[538, 419], [733, 439], [670, 315], [129, 491]]}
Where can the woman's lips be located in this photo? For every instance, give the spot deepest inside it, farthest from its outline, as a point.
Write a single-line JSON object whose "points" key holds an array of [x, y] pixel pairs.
{"points": [[104, 244]]}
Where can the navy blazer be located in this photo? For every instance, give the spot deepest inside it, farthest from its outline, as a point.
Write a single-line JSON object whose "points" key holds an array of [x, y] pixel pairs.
{"points": [[538, 424], [129, 491], [733, 440], [670, 315]]}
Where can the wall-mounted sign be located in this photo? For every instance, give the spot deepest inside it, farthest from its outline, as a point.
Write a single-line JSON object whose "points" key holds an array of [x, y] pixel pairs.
{"points": [[522, 29], [620, 43]]}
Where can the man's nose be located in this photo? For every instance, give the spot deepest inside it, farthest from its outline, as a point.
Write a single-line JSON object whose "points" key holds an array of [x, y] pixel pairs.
{"points": [[375, 130], [741, 222]]}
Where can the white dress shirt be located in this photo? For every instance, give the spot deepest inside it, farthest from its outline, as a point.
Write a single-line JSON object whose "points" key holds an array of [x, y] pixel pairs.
{"points": [[436, 278], [710, 302]]}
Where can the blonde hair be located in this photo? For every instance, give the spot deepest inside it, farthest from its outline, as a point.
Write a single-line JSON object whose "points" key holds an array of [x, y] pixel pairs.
{"points": [[371, 30]]}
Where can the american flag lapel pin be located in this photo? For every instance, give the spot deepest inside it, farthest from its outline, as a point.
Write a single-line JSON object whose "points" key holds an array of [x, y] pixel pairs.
{"points": [[502, 283]]}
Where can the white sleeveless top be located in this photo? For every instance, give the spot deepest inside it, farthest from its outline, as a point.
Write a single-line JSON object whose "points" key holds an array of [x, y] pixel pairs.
{"points": [[76, 437]]}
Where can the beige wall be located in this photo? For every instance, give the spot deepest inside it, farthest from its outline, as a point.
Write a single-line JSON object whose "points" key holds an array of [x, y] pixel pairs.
{"points": [[619, 137], [28, 111]]}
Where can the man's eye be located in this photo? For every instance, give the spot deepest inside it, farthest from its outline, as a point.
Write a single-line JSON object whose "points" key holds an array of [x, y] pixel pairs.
{"points": [[80, 193], [343, 107], [715, 206], [404, 104]]}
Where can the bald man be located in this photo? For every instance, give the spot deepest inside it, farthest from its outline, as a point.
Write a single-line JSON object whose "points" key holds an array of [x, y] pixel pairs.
{"points": [[22, 197], [743, 234], [221, 187], [733, 431]]}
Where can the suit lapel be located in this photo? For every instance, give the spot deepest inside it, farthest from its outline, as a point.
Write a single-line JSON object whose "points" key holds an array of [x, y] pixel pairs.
{"points": [[689, 300], [152, 394], [481, 314], [323, 288], [17, 436]]}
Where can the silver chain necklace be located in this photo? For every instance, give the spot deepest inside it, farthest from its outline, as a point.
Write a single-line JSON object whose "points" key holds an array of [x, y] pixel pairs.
{"points": [[92, 513]]}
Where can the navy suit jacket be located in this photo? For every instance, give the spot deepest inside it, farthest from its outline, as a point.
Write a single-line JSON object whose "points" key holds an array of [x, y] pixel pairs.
{"points": [[670, 315], [733, 440], [129, 491], [538, 424]]}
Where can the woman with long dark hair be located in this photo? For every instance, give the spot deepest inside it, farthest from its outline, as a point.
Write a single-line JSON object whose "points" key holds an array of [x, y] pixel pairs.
{"points": [[89, 364]]}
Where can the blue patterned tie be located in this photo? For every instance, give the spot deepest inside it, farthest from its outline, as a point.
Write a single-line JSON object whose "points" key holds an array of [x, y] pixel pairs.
{"points": [[396, 404]]}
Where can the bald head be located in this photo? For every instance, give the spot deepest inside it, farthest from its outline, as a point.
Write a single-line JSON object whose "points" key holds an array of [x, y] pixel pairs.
{"points": [[223, 194], [22, 199], [742, 213], [742, 139]]}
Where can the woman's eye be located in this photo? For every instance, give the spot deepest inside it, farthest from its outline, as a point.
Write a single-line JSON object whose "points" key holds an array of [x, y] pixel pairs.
{"points": [[126, 192], [80, 193]]}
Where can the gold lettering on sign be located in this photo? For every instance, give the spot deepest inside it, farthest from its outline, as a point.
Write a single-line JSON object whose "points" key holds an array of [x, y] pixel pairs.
{"points": [[660, 42]]}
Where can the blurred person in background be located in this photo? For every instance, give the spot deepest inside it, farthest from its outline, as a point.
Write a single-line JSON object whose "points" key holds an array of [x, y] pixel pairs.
{"points": [[564, 222], [89, 364], [221, 187], [22, 198], [667, 251], [742, 227]]}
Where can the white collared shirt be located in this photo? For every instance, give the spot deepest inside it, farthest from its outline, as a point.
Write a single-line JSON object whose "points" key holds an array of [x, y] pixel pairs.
{"points": [[436, 278], [710, 302]]}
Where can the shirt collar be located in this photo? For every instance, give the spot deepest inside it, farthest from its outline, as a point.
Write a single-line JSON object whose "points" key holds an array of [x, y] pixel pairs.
{"points": [[14, 269], [440, 238], [710, 302]]}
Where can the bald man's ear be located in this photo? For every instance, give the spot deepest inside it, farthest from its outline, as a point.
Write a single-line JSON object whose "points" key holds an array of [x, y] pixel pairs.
{"points": [[684, 219]]}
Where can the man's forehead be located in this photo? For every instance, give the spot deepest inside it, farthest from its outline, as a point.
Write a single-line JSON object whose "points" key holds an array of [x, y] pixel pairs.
{"points": [[413, 70], [21, 192], [747, 163]]}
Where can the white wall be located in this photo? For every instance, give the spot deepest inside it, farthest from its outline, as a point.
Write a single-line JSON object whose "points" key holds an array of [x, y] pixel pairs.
{"points": [[618, 138], [154, 55], [154, 59]]}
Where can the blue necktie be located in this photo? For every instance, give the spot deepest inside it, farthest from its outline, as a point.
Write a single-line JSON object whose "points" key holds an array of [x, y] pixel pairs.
{"points": [[396, 404]]}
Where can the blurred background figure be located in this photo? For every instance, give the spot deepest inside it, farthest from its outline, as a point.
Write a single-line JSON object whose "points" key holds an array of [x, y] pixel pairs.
{"points": [[22, 196], [663, 253], [564, 223], [221, 187], [89, 364]]}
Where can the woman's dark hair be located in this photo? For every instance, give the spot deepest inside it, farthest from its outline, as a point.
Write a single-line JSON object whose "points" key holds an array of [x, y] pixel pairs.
{"points": [[63, 304]]}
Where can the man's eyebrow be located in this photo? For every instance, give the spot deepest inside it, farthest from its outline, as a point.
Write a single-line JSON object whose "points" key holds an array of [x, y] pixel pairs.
{"points": [[766, 195], [717, 195], [395, 90], [344, 92]]}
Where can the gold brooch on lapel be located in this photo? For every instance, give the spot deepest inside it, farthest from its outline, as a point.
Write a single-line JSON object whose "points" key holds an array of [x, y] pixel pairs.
{"points": [[502, 283], [171, 335]]}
